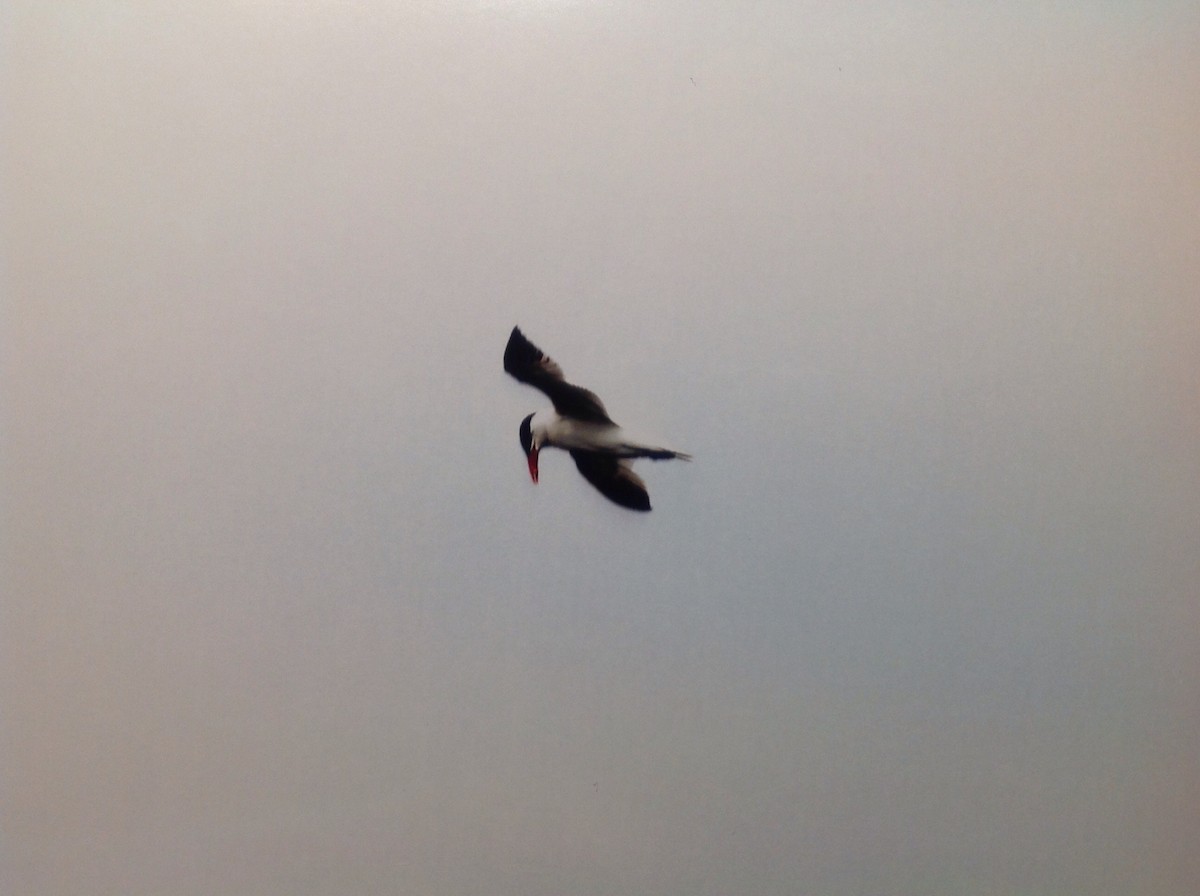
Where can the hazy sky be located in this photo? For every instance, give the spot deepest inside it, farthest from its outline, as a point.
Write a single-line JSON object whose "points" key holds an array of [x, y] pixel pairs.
{"points": [[920, 290]]}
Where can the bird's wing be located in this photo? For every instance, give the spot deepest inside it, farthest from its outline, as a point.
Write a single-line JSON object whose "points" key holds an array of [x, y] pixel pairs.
{"points": [[614, 478], [532, 366]]}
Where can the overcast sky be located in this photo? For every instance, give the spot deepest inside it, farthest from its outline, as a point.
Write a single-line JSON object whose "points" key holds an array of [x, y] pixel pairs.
{"points": [[918, 287]]}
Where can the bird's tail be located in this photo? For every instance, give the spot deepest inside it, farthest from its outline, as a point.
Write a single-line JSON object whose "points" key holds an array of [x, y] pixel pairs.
{"points": [[656, 453]]}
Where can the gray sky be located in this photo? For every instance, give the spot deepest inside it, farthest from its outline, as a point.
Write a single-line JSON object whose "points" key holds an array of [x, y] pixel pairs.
{"points": [[917, 287]]}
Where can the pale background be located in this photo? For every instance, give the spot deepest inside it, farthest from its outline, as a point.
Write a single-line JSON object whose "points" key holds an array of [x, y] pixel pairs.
{"points": [[919, 286]]}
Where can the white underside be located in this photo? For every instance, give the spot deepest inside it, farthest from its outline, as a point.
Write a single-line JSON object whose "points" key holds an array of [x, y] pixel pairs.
{"points": [[549, 429]]}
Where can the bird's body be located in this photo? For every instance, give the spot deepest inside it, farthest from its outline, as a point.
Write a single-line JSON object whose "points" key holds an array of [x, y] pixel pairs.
{"points": [[579, 424], [570, 434]]}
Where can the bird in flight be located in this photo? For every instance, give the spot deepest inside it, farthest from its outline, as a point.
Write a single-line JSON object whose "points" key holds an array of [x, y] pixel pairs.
{"points": [[579, 424]]}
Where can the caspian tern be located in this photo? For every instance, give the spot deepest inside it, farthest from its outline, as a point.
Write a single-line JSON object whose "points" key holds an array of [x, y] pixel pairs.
{"points": [[579, 424]]}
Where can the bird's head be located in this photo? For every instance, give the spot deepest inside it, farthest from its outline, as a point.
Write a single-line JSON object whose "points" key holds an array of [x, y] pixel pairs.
{"points": [[530, 446]]}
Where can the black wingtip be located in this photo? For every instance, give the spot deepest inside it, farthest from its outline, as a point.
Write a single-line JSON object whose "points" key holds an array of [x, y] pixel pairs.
{"points": [[520, 352], [630, 499]]}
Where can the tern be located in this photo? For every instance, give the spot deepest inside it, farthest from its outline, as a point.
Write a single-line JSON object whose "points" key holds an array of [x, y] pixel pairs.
{"points": [[579, 424]]}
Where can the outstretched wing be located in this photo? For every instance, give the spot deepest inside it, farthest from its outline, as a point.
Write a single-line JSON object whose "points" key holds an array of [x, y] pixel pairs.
{"points": [[532, 366], [614, 478]]}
